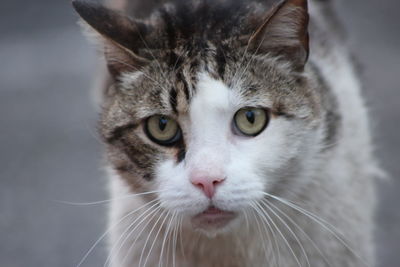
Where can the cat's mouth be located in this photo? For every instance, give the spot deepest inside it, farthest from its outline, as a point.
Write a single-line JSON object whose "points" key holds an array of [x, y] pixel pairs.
{"points": [[213, 218]]}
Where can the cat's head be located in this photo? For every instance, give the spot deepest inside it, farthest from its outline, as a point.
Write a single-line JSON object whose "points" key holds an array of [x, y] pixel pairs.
{"points": [[212, 104]]}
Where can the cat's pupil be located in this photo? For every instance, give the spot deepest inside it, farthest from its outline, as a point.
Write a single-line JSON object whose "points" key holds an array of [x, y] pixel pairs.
{"points": [[250, 116], [162, 123]]}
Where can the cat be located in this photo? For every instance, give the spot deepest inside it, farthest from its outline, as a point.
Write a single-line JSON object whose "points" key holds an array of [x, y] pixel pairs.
{"points": [[236, 135]]}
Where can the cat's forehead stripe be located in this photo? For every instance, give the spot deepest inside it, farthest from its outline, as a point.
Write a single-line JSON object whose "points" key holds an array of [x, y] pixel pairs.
{"points": [[220, 59], [181, 79], [173, 99]]}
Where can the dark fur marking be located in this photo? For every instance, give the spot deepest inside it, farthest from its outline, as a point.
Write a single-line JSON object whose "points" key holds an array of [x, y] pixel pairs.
{"points": [[194, 65], [181, 155], [169, 28], [280, 110], [181, 78], [130, 157], [123, 168], [220, 59], [172, 58], [172, 99], [181, 151], [119, 132], [175, 61], [148, 177], [191, 24], [142, 156]]}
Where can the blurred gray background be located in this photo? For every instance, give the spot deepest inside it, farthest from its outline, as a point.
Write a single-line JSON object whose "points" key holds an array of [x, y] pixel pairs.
{"points": [[49, 148]]}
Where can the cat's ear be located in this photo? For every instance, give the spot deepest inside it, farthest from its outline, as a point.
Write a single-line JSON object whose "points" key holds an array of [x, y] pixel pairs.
{"points": [[284, 31], [120, 37]]}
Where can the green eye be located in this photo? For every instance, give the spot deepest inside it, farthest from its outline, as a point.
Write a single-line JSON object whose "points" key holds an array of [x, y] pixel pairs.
{"points": [[251, 121], [162, 130]]}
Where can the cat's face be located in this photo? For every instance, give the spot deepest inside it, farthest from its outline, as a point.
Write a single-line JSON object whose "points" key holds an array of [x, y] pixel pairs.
{"points": [[235, 139], [210, 125]]}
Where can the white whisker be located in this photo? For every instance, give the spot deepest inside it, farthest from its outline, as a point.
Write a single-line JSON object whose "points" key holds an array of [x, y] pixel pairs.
{"points": [[173, 244], [122, 239], [155, 239], [109, 230], [302, 231], [266, 219], [180, 238], [323, 223], [163, 243], [259, 229], [282, 235], [107, 200], [148, 237], [170, 238], [291, 232], [153, 214]]}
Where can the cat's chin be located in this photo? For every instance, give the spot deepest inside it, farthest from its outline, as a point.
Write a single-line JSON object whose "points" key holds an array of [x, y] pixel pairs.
{"points": [[213, 221]]}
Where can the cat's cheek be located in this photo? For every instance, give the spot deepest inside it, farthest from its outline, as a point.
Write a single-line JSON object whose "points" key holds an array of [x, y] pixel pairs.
{"points": [[285, 155], [258, 164], [277, 145], [175, 192]]}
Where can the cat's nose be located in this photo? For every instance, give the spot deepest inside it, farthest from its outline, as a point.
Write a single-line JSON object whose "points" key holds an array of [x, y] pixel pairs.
{"points": [[206, 184]]}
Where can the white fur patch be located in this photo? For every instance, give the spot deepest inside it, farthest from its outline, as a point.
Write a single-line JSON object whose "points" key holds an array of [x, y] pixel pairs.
{"points": [[246, 163]]}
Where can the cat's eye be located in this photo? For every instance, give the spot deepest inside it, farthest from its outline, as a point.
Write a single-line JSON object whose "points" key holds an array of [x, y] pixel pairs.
{"points": [[162, 130], [251, 121]]}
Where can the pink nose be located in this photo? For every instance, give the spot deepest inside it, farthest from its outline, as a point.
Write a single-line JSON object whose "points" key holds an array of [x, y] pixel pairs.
{"points": [[206, 184]]}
